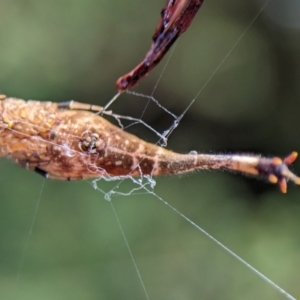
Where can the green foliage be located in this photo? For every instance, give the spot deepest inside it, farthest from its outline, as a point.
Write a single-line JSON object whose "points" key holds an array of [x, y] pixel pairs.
{"points": [[71, 49]]}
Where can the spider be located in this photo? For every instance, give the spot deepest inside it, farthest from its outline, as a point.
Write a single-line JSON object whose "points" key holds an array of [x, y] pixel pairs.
{"points": [[69, 141]]}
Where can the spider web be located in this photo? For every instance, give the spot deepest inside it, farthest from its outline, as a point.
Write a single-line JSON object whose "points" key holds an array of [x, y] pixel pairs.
{"points": [[144, 190]]}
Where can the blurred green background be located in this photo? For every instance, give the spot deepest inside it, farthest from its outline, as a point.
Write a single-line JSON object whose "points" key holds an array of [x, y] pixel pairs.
{"points": [[75, 49]]}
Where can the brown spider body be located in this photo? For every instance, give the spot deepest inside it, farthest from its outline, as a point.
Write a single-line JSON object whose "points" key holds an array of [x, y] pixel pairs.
{"points": [[69, 144], [64, 141], [74, 144]]}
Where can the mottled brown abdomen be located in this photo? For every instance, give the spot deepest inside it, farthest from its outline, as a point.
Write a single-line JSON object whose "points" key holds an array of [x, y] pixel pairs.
{"points": [[71, 144]]}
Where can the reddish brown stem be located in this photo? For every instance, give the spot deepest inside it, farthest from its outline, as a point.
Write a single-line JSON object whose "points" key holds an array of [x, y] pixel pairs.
{"points": [[176, 17]]}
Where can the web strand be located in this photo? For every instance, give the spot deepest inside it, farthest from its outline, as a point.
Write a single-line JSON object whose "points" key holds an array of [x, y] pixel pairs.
{"points": [[226, 249], [232, 49], [130, 251], [25, 250]]}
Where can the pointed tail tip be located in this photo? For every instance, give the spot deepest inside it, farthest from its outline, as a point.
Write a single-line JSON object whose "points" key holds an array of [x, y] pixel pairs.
{"points": [[277, 171]]}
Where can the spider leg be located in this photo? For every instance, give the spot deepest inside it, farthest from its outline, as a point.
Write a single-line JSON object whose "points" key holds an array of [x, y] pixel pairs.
{"points": [[73, 105], [41, 172], [48, 176], [64, 178]]}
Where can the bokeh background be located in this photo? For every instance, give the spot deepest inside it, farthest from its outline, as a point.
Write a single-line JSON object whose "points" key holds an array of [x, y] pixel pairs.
{"points": [[75, 49]]}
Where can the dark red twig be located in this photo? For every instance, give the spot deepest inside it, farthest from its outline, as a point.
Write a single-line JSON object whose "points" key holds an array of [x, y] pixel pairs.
{"points": [[176, 17]]}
